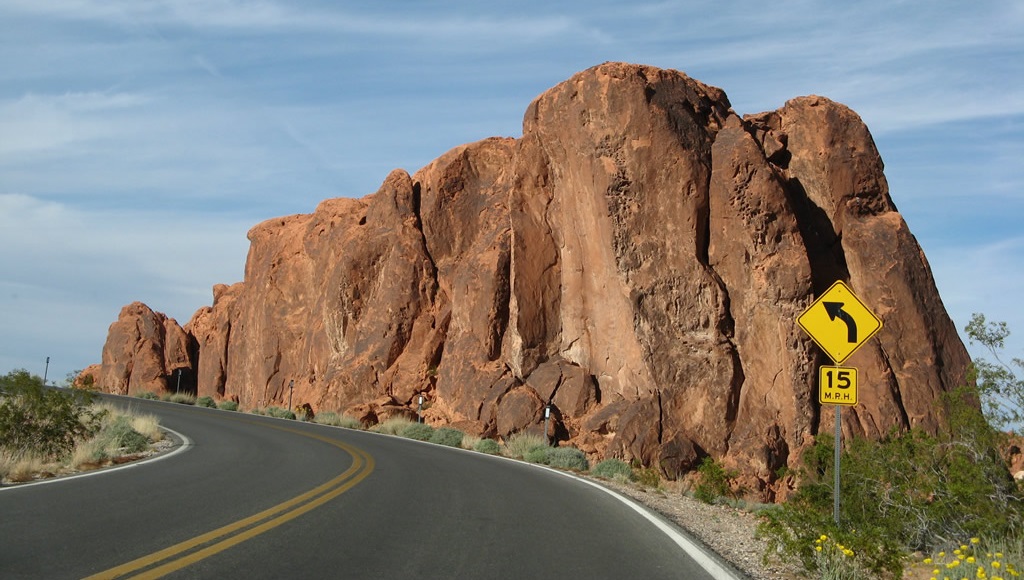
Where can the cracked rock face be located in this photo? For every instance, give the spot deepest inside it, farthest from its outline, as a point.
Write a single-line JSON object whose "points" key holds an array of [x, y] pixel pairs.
{"points": [[638, 260]]}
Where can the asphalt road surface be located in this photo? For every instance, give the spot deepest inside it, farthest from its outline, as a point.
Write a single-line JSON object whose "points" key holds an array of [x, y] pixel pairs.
{"points": [[253, 497]]}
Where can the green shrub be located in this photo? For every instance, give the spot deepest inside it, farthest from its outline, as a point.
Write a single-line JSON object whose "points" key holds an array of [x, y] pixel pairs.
{"points": [[489, 446], [537, 455], [714, 481], [228, 406], [518, 445], [37, 420], [119, 435], [567, 458], [207, 402], [279, 413], [558, 457], [612, 469], [418, 431], [904, 493], [447, 436], [150, 395]]}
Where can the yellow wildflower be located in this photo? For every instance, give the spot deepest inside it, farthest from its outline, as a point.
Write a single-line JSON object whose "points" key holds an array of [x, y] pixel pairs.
{"points": [[975, 540]]}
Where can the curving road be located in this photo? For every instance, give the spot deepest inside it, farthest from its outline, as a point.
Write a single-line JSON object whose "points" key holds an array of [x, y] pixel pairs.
{"points": [[253, 497]]}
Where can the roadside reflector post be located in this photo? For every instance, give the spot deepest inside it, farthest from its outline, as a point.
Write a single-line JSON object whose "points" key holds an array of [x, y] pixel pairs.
{"points": [[547, 415], [419, 410]]}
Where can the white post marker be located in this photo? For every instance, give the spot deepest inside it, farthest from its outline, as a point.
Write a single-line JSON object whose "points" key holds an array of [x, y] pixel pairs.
{"points": [[547, 414]]}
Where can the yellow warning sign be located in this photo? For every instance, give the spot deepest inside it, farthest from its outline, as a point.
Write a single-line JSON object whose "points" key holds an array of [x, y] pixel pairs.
{"points": [[837, 386], [839, 322]]}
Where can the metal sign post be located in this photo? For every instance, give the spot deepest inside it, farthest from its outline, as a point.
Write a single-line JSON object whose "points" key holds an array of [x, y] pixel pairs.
{"points": [[835, 482]]}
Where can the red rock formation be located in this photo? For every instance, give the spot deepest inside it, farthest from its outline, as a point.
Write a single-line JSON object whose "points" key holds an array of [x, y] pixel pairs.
{"points": [[143, 350], [638, 259]]}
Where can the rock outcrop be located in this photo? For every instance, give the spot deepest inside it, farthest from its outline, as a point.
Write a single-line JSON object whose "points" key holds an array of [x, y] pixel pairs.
{"points": [[145, 352], [637, 259]]}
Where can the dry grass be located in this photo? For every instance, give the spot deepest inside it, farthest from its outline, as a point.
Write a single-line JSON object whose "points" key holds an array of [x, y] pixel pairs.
{"points": [[518, 445], [149, 426], [393, 425], [19, 469], [88, 455], [470, 441], [337, 420]]}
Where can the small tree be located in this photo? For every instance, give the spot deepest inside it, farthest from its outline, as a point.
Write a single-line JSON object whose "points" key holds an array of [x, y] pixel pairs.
{"points": [[35, 419], [1001, 391]]}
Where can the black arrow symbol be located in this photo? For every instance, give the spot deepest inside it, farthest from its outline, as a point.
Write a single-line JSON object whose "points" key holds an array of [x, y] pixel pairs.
{"points": [[835, 310]]}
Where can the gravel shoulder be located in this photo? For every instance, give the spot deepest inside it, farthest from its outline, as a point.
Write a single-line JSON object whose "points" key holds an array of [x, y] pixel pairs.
{"points": [[728, 531]]}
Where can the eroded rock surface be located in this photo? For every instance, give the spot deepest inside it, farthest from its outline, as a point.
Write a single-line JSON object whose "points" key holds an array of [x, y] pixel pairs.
{"points": [[637, 259]]}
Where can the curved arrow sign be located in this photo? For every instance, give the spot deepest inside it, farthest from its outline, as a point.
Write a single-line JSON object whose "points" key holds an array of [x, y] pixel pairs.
{"points": [[835, 310], [839, 322]]}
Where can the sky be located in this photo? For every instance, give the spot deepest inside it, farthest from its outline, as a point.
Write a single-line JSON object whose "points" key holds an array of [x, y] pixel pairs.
{"points": [[139, 141]]}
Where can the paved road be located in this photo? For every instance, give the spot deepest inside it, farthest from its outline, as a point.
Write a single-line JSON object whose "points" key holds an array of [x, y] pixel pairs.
{"points": [[253, 497]]}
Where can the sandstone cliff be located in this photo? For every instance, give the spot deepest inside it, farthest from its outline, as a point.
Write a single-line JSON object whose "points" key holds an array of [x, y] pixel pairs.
{"points": [[637, 259]]}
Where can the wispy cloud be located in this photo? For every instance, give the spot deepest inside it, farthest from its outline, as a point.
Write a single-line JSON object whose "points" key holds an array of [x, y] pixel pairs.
{"points": [[386, 19], [38, 122]]}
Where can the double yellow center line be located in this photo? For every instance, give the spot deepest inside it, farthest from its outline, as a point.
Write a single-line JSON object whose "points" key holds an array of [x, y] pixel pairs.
{"points": [[190, 551]]}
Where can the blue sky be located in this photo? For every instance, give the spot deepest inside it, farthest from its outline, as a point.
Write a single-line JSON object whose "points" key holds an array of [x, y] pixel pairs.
{"points": [[139, 141]]}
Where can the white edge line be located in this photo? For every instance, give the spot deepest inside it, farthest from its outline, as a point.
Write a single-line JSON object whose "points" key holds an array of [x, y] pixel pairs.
{"points": [[698, 554], [186, 444]]}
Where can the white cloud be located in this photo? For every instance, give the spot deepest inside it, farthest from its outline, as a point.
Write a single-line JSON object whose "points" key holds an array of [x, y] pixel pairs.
{"points": [[94, 246], [36, 122]]}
